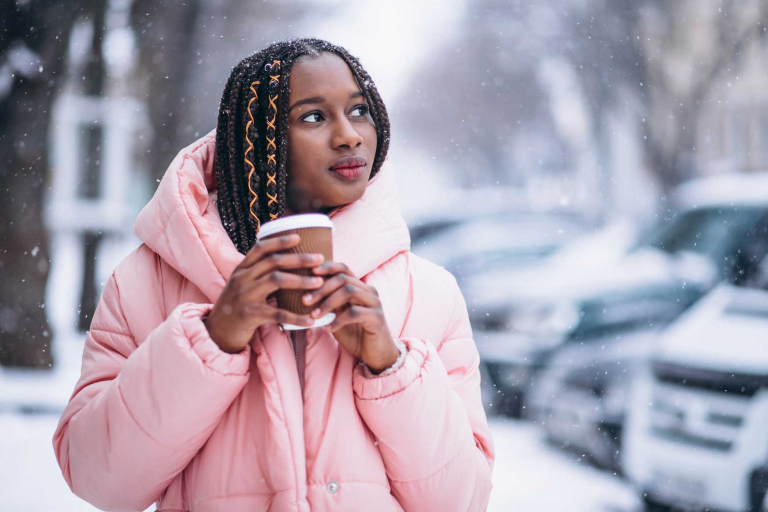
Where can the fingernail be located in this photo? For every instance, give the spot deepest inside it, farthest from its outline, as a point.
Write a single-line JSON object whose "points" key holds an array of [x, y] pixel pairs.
{"points": [[316, 313], [307, 297], [317, 281]]}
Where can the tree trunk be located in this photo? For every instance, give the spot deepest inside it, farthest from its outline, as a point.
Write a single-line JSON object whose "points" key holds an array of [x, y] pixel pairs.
{"points": [[36, 34], [167, 53]]}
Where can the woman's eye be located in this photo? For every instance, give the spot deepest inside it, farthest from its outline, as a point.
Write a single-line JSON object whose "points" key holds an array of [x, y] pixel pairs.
{"points": [[313, 117], [363, 109]]}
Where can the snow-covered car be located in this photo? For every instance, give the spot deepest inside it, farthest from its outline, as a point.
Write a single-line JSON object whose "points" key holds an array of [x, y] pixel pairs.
{"points": [[695, 431], [562, 314], [485, 243]]}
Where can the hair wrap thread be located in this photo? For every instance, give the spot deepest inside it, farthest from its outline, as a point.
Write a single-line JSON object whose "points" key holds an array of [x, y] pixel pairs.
{"points": [[250, 150]]}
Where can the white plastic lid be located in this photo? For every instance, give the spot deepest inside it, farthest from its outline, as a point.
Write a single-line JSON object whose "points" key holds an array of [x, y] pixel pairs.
{"points": [[298, 221]]}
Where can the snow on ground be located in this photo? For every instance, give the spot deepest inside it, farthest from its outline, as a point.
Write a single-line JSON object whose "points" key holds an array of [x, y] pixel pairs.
{"points": [[31, 479], [529, 474], [43, 391]]}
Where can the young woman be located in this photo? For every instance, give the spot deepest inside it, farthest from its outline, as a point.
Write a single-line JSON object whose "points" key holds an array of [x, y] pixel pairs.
{"points": [[191, 395]]}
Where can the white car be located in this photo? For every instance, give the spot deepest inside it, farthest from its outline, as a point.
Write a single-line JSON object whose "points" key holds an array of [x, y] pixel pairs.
{"points": [[696, 435]]}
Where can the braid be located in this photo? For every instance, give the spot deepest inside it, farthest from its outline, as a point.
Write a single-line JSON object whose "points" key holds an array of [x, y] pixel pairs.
{"points": [[234, 144], [274, 83], [282, 158], [251, 136]]}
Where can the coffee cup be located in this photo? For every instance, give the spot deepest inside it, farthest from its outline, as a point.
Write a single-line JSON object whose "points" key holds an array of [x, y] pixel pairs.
{"points": [[316, 232]]}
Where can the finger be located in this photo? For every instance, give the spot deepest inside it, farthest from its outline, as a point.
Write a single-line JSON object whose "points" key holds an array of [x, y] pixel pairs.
{"points": [[283, 316], [333, 267], [278, 261], [269, 246], [279, 280], [347, 294], [335, 282], [356, 315], [331, 285]]}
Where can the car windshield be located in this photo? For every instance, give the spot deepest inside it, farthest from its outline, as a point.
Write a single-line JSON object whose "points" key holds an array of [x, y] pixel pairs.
{"points": [[710, 232]]}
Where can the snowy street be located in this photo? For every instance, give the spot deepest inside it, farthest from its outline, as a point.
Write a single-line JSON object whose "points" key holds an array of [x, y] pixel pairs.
{"points": [[529, 475]]}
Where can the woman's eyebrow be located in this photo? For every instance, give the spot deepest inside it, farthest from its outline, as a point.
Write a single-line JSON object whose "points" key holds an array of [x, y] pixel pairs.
{"points": [[319, 99]]}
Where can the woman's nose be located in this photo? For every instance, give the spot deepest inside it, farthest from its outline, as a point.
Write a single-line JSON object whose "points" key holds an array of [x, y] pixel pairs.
{"points": [[345, 135]]}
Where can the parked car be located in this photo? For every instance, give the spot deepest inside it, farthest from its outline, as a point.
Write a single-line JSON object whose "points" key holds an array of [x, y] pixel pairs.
{"points": [[514, 341], [587, 384], [696, 436], [485, 243], [564, 318]]}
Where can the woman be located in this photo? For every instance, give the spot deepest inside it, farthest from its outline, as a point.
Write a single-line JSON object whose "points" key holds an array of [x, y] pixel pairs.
{"points": [[192, 397]]}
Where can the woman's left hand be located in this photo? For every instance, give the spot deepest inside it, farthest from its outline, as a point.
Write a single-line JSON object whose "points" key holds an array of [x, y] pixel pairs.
{"points": [[360, 326]]}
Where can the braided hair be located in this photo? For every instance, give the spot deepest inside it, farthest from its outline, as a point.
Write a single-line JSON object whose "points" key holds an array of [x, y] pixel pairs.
{"points": [[251, 137]]}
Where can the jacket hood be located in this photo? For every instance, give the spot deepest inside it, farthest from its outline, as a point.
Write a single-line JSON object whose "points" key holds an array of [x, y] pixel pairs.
{"points": [[181, 222]]}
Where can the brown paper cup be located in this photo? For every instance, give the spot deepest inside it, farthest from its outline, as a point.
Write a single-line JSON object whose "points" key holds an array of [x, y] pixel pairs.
{"points": [[316, 232]]}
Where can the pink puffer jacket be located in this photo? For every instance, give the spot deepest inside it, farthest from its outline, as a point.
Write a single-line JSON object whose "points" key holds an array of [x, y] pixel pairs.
{"points": [[160, 414]]}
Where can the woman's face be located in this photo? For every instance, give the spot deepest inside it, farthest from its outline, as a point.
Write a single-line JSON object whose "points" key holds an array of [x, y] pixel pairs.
{"points": [[328, 120]]}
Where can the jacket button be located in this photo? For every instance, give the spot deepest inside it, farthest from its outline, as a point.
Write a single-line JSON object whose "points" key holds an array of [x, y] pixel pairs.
{"points": [[333, 487]]}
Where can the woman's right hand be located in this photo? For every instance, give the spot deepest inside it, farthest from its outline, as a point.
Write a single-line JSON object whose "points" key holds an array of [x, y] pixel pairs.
{"points": [[242, 306]]}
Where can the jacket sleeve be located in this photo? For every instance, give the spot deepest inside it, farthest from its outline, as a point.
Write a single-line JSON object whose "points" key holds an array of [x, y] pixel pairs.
{"points": [[429, 422], [139, 414]]}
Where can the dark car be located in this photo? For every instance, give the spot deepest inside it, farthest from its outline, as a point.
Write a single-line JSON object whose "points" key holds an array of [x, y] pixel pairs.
{"points": [[550, 329], [581, 396]]}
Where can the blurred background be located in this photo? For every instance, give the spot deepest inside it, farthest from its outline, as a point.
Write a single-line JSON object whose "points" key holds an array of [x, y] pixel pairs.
{"points": [[602, 161]]}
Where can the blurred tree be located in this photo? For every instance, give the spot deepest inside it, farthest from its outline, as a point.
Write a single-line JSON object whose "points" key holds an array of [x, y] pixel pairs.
{"points": [[486, 113], [479, 104], [167, 49], [34, 36], [186, 50], [92, 83], [670, 56]]}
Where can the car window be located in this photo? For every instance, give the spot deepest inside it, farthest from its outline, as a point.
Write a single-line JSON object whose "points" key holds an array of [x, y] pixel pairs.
{"points": [[727, 236], [704, 231]]}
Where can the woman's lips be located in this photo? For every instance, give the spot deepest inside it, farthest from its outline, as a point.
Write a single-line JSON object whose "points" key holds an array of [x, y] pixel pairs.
{"points": [[349, 173]]}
